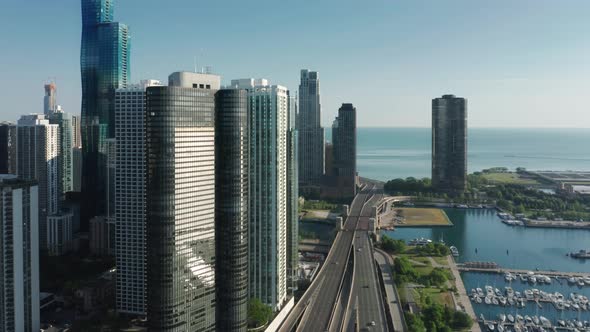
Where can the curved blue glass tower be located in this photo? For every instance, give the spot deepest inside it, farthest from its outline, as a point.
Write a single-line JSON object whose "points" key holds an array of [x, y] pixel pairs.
{"points": [[104, 65]]}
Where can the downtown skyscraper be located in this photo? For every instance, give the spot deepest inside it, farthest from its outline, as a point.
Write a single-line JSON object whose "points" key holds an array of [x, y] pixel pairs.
{"points": [[19, 254], [449, 144], [49, 101], [344, 151], [310, 131], [269, 126], [180, 218], [7, 148], [38, 159], [130, 203], [104, 64], [231, 208]]}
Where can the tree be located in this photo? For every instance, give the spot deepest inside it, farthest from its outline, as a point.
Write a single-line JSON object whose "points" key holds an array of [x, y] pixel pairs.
{"points": [[461, 321], [259, 314], [392, 246], [415, 323]]}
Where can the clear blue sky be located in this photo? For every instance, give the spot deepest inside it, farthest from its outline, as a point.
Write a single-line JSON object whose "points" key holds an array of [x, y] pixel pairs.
{"points": [[521, 63]]}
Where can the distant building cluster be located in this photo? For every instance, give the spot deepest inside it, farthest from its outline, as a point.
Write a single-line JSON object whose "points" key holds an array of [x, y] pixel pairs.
{"points": [[192, 186]]}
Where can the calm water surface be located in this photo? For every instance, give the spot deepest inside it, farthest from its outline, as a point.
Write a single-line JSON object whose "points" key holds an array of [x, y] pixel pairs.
{"points": [[514, 247], [387, 153]]}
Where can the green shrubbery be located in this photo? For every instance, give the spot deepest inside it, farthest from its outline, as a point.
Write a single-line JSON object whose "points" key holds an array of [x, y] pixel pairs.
{"points": [[405, 272], [433, 249], [391, 245], [259, 314]]}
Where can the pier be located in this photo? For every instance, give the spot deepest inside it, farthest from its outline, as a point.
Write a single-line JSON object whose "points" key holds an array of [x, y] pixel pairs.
{"points": [[464, 300], [500, 270], [485, 322]]}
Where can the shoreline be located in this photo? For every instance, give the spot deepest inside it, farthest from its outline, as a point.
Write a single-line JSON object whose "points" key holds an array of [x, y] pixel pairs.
{"points": [[464, 300]]}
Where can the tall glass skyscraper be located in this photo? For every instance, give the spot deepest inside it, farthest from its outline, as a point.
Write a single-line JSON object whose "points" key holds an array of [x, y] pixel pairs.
{"points": [[449, 143], [66, 145], [292, 198], [19, 254], [180, 196], [344, 147], [269, 125], [130, 204], [310, 131], [104, 64], [231, 209]]}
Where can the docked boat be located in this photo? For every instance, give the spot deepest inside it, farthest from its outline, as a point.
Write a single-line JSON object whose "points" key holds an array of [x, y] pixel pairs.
{"points": [[510, 318], [488, 300], [479, 291], [545, 322], [454, 251], [502, 317], [536, 320]]}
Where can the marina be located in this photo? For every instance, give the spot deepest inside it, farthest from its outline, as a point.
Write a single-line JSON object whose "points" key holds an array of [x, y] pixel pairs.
{"points": [[527, 259]]}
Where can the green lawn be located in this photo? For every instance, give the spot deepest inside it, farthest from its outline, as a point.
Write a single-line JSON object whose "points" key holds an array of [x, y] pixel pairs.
{"points": [[436, 295], [441, 260], [508, 178]]}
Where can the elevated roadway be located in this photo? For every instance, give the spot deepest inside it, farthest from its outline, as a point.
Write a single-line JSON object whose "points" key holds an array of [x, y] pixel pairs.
{"points": [[322, 302], [318, 301]]}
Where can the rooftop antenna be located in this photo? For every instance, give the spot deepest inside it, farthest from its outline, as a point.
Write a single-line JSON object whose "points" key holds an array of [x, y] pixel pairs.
{"points": [[195, 62]]}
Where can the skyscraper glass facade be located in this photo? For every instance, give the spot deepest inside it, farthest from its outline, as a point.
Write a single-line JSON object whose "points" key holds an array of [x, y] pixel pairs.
{"points": [[104, 64], [180, 150], [449, 143], [344, 147], [310, 131], [66, 145], [269, 112], [231, 209]]}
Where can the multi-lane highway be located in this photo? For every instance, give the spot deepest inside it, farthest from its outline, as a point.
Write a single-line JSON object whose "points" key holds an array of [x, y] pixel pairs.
{"points": [[315, 307], [368, 310], [359, 301]]}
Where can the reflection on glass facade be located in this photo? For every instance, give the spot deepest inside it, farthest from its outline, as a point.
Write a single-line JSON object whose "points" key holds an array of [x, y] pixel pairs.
{"points": [[231, 209], [104, 64], [180, 196]]}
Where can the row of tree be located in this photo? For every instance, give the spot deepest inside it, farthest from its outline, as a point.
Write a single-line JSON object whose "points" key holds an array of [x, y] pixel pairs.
{"points": [[438, 318]]}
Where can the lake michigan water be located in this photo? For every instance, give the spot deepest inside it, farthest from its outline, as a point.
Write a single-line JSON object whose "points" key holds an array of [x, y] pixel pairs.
{"points": [[387, 153]]}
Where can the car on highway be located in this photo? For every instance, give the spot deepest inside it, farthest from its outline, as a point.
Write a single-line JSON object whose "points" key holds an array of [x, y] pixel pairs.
{"points": [[372, 323]]}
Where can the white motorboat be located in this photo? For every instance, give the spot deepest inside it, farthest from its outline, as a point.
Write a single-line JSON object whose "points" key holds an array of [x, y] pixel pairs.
{"points": [[510, 318]]}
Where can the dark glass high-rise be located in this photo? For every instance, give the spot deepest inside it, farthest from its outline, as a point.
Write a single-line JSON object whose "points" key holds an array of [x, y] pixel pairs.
{"points": [[231, 209], [104, 65]]}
